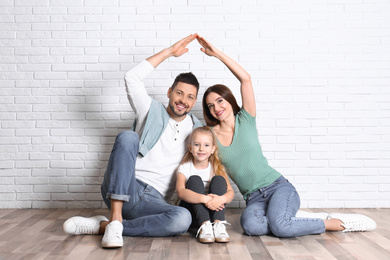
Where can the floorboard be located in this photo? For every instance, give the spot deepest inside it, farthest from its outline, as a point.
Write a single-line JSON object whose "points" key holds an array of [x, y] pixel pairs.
{"points": [[37, 234]]}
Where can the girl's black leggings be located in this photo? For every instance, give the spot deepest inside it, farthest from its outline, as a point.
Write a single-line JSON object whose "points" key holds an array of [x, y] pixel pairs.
{"points": [[200, 213]]}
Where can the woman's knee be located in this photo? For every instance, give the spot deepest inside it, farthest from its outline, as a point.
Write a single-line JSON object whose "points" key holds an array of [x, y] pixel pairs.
{"points": [[280, 230], [254, 224], [283, 227], [280, 222]]}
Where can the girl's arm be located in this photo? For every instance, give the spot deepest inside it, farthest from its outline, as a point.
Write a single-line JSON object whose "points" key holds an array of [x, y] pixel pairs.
{"points": [[186, 194], [247, 94], [218, 202]]}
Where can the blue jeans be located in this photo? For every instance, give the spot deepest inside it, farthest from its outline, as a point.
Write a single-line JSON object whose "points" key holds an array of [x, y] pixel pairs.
{"points": [[271, 210], [145, 212]]}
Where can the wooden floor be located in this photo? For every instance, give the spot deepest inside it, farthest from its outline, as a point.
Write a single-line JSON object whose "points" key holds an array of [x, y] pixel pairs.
{"points": [[37, 234]]}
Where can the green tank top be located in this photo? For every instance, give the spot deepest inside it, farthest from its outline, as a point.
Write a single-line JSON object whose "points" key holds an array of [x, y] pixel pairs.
{"points": [[244, 160]]}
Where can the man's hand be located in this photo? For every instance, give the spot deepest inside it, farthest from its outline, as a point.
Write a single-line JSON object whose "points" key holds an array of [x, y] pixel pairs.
{"points": [[176, 50], [180, 47]]}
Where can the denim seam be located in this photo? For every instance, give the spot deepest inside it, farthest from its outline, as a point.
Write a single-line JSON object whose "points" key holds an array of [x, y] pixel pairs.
{"points": [[288, 204]]}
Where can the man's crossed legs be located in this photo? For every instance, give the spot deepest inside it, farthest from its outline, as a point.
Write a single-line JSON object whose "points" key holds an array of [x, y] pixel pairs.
{"points": [[137, 209]]}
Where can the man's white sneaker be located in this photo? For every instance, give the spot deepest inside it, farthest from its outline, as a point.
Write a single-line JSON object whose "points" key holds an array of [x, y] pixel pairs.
{"points": [[205, 233], [113, 235], [354, 222], [305, 214], [220, 233], [83, 226]]}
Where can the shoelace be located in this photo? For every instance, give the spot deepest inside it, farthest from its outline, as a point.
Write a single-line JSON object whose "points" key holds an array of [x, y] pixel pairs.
{"points": [[219, 227], [207, 228], [86, 228], [113, 232], [354, 226]]}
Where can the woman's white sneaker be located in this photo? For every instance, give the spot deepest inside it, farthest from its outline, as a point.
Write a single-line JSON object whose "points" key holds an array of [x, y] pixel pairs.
{"points": [[220, 233], [113, 235], [205, 232], [83, 226], [354, 222]]}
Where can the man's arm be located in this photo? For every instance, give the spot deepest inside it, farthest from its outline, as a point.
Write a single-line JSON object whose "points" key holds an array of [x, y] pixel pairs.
{"points": [[136, 92]]}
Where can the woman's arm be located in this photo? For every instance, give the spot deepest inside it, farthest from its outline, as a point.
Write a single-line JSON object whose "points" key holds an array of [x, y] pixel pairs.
{"points": [[247, 94], [218, 202], [186, 194]]}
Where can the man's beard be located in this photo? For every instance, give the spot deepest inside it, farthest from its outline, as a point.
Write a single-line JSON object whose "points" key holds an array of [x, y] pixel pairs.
{"points": [[176, 114]]}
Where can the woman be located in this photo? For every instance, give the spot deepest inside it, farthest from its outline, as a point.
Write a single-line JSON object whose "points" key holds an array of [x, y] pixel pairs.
{"points": [[272, 202]]}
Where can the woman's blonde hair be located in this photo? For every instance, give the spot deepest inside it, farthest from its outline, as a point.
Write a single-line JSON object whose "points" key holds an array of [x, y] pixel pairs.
{"points": [[218, 168]]}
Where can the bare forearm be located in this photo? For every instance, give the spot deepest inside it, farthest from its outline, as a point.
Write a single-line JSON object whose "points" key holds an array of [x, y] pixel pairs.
{"points": [[239, 72], [218, 202], [228, 196], [192, 197], [247, 93], [159, 57], [232, 65]]}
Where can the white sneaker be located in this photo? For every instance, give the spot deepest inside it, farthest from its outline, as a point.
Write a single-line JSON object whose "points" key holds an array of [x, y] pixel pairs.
{"points": [[305, 214], [354, 222], [220, 233], [113, 235], [205, 233], [83, 226]]}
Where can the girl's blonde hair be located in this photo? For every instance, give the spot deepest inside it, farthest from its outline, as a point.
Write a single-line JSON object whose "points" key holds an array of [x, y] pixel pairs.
{"points": [[218, 168]]}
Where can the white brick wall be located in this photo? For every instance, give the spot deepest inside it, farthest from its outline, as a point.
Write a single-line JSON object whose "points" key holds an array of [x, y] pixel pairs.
{"points": [[321, 71]]}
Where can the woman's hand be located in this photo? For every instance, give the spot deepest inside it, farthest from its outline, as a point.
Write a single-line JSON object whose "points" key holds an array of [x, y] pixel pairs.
{"points": [[217, 203], [208, 49], [247, 93]]}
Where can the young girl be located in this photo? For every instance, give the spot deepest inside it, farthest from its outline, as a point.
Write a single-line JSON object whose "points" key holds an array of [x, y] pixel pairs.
{"points": [[201, 171]]}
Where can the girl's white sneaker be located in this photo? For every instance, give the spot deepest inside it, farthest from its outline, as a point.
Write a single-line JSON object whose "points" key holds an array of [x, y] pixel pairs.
{"points": [[205, 233], [220, 233]]}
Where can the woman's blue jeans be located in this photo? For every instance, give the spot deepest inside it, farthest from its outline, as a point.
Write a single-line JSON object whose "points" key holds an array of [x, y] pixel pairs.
{"points": [[145, 212], [271, 210]]}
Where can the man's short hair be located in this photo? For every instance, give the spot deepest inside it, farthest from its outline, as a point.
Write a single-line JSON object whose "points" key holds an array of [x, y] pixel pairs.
{"points": [[188, 78]]}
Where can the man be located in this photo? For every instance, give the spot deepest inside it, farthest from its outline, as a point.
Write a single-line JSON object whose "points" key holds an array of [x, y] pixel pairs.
{"points": [[140, 172]]}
